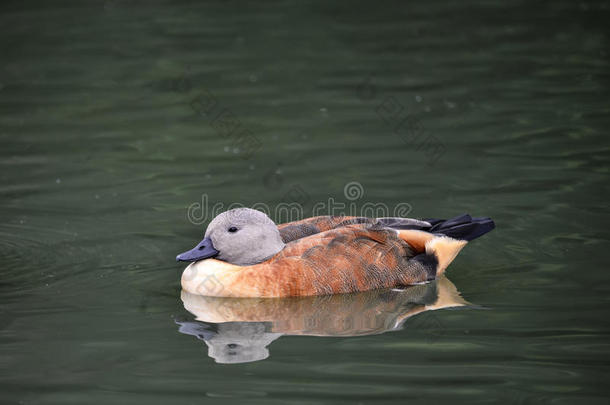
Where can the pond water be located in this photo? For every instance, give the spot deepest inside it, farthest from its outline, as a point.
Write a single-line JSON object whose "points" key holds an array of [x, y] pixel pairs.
{"points": [[124, 125]]}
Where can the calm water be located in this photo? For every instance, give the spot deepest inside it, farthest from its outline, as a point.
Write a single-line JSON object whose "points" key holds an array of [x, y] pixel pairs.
{"points": [[109, 132]]}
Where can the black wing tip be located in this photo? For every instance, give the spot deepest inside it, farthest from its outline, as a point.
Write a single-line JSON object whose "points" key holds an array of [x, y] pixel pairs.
{"points": [[463, 227]]}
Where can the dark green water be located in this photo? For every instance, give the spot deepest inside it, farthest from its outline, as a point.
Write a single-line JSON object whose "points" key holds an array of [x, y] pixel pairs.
{"points": [[493, 108]]}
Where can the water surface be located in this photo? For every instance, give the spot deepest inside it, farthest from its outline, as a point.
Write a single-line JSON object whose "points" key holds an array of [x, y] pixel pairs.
{"points": [[109, 132]]}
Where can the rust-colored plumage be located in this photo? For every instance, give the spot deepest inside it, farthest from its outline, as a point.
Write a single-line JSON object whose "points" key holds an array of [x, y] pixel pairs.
{"points": [[346, 259], [330, 255]]}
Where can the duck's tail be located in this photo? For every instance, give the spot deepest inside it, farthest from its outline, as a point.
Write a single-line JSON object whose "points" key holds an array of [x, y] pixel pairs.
{"points": [[443, 239], [462, 227]]}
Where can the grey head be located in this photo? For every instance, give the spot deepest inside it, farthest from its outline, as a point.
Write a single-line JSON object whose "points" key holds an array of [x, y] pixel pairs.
{"points": [[240, 236]]}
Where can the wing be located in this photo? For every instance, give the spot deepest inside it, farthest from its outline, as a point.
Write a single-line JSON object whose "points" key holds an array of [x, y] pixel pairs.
{"points": [[346, 259], [437, 240], [292, 231]]}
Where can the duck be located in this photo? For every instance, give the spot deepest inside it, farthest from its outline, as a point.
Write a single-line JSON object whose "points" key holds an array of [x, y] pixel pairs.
{"points": [[245, 254]]}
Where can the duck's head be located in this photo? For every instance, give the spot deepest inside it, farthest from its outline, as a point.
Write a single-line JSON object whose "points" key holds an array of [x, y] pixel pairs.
{"points": [[240, 236]]}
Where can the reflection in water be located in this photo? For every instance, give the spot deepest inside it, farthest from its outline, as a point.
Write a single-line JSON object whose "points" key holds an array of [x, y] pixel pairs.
{"points": [[238, 330]]}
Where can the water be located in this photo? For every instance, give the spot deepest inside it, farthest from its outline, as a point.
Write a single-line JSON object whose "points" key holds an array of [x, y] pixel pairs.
{"points": [[104, 149]]}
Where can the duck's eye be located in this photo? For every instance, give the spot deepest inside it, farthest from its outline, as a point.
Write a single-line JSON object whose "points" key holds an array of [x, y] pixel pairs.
{"points": [[232, 229]]}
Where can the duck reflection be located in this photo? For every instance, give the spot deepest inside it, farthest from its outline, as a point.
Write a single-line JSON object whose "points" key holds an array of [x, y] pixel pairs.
{"points": [[238, 330]]}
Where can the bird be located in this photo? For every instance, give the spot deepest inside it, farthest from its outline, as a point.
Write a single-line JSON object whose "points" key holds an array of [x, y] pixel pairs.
{"points": [[245, 254]]}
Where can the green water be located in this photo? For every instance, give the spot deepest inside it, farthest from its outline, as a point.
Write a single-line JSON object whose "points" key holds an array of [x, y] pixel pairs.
{"points": [[108, 133]]}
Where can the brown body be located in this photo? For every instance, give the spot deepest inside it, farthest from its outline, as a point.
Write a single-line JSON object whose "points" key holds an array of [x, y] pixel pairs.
{"points": [[329, 255]]}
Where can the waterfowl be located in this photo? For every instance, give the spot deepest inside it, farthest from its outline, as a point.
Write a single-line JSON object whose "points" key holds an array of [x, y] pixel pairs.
{"points": [[245, 254]]}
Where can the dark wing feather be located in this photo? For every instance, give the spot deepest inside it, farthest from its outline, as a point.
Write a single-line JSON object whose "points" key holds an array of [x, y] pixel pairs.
{"points": [[292, 231], [463, 227]]}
